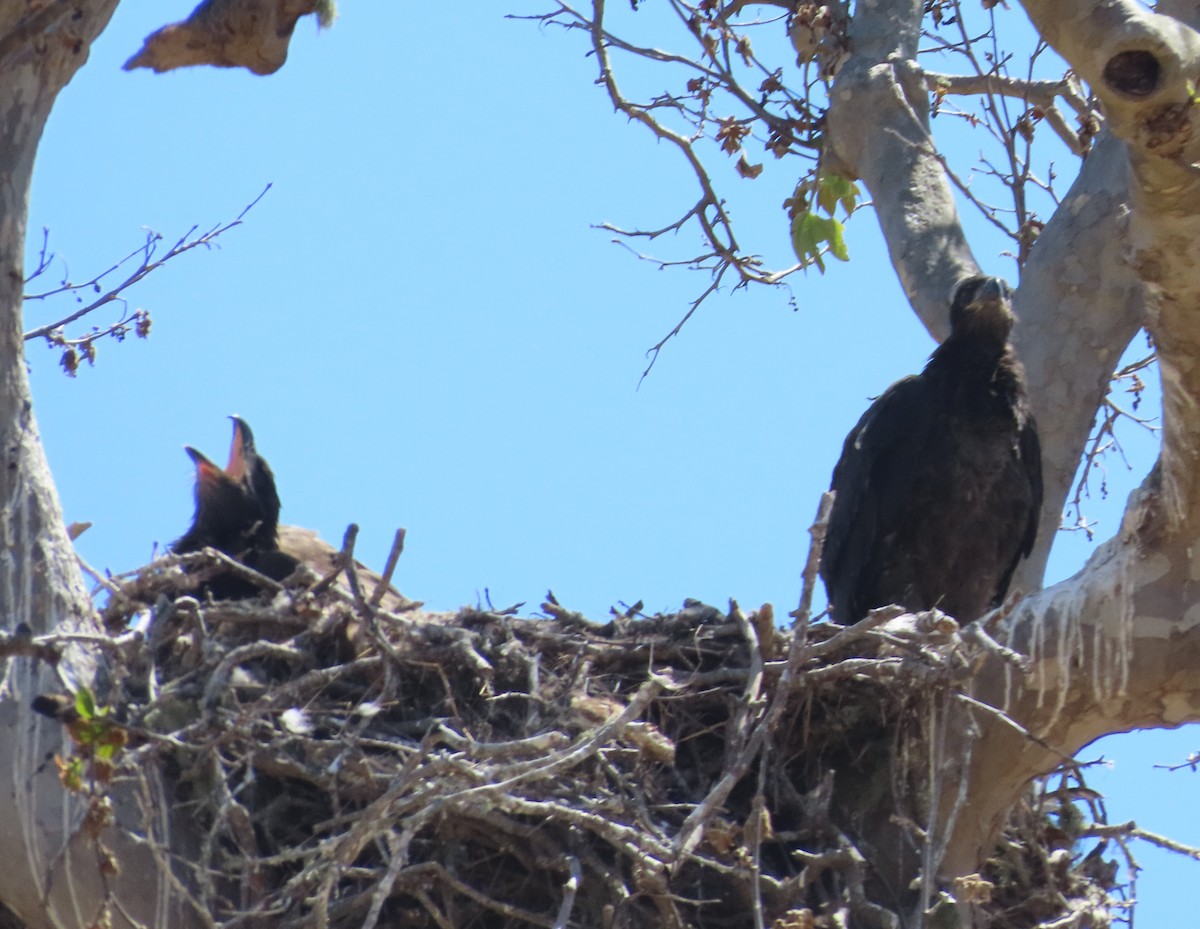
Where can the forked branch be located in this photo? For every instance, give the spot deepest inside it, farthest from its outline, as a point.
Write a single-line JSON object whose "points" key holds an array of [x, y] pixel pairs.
{"points": [[146, 261]]}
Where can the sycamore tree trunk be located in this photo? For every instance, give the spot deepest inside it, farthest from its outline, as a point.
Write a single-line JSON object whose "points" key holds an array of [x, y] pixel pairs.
{"points": [[50, 875]]}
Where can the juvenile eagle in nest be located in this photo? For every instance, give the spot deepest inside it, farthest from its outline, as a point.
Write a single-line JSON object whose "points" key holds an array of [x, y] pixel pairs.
{"points": [[939, 487], [237, 512]]}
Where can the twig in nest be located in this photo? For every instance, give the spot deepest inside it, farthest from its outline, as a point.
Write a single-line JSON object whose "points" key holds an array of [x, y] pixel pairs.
{"points": [[1013, 724], [218, 682], [848, 634], [497, 906], [856, 887], [649, 851], [397, 849], [739, 761], [758, 825], [343, 558], [346, 565], [389, 569], [749, 704], [369, 613], [975, 633], [812, 564], [939, 833], [107, 584], [431, 908], [218, 557], [570, 888], [881, 670], [540, 744], [586, 747]]}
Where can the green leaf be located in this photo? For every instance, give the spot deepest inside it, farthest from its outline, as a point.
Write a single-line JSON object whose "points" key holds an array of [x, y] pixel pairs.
{"points": [[806, 241], [85, 703], [812, 235], [837, 240], [834, 189]]}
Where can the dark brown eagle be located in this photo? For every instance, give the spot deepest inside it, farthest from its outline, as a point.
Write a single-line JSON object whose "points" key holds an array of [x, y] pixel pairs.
{"points": [[939, 487]]}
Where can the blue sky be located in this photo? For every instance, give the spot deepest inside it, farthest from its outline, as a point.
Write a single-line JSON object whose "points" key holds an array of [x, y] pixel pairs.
{"points": [[424, 330]]}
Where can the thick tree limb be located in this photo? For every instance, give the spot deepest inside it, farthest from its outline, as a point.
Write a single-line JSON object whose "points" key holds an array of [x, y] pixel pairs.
{"points": [[1114, 647], [1142, 66], [251, 34], [879, 131], [50, 871], [1079, 304]]}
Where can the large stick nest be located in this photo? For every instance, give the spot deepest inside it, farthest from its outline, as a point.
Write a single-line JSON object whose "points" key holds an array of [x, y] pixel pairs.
{"points": [[351, 766]]}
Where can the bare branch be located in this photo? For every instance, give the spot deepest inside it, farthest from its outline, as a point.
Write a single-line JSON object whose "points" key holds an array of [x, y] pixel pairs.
{"points": [[1098, 830], [789, 121], [147, 264], [1041, 94]]}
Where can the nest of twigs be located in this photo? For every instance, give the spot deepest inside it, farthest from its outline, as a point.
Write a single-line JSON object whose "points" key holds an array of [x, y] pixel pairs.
{"points": [[350, 766]]}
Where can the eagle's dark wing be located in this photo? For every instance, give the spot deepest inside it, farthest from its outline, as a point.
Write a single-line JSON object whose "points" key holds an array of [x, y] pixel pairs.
{"points": [[873, 480], [1029, 446], [1031, 458]]}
